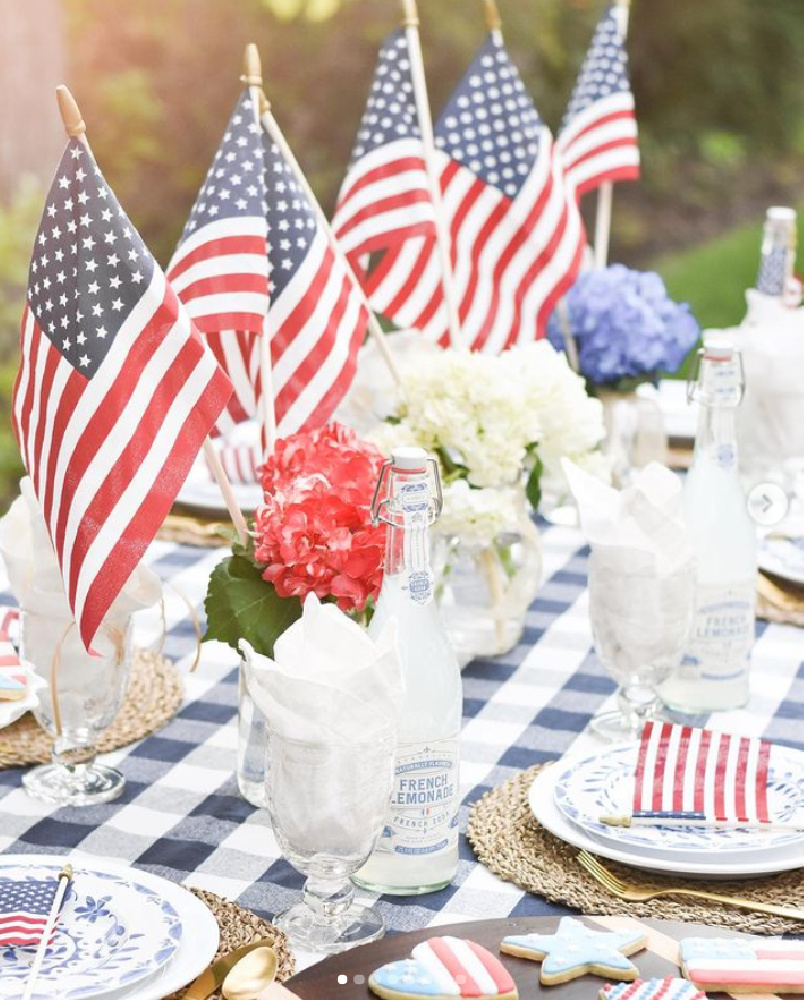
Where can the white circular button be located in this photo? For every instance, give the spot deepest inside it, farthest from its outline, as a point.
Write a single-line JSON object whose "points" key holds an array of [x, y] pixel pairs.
{"points": [[767, 503]]}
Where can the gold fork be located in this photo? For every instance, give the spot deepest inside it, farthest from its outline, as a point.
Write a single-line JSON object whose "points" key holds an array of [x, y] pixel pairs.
{"points": [[636, 894]]}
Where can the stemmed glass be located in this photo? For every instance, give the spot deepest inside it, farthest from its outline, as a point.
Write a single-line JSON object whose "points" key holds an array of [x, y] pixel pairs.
{"points": [[327, 806], [89, 689], [640, 625]]}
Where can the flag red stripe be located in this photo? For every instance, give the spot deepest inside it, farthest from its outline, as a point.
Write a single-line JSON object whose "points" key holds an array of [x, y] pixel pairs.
{"points": [[639, 775], [52, 359], [385, 171], [659, 764], [596, 123], [387, 241], [220, 322], [699, 805], [221, 247], [627, 142], [629, 173], [303, 309], [484, 234], [217, 284], [72, 392], [139, 532], [681, 768], [740, 803], [389, 204], [560, 289], [38, 342], [763, 763]]}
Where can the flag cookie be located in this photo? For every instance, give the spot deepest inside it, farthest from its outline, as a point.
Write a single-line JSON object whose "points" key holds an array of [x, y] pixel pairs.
{"points": [[743, 965], [576, 950], [442, 968], [669, 988]]}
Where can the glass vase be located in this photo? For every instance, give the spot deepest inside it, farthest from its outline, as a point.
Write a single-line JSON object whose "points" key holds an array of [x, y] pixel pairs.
{"points": [[635, 433], [484, 588], [82, 695], [253, 746]]}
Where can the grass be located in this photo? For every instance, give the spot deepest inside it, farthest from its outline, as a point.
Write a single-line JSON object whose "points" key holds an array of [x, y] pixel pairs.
{"points": [[713, 277]]}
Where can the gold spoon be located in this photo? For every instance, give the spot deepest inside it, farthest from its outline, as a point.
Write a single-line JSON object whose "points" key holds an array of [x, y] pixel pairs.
{"points": [[251, 975]]}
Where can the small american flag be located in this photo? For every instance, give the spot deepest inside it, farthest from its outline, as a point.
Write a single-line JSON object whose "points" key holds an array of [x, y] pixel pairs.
{"points": [[242, 463], [116, 389], [317, 319], [24, 909], [598, 137], [385, 197], [515, 232], [696, 776], [220, 269]]}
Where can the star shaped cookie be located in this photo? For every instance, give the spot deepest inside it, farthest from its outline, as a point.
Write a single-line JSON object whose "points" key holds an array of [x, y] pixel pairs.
{"points": [[576, 950]]}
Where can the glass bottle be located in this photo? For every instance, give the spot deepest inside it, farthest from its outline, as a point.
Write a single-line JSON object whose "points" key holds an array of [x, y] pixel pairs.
{"points": [[418, 850], [714, 674], [778, 255]]}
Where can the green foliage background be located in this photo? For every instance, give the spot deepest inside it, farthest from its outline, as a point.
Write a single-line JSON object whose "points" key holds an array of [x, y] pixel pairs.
{"points": [[718, 85]]}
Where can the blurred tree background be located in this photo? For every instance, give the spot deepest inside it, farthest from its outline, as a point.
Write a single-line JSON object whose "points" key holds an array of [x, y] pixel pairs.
{"points": [[719, 91]]}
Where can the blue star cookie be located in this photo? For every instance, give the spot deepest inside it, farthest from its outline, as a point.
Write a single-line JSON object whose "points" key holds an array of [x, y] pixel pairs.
{"points": [[576, 950], [669, 988]]}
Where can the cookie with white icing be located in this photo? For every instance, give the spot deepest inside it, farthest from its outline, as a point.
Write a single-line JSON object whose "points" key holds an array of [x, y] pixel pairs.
{"points": [[443, 968], [743, 965], [669, 988], [575, 950]]}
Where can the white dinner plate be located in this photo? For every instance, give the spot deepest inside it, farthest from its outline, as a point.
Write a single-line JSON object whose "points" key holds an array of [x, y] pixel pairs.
{"points": [[195, 946], [603, 785], [541, 799], [204, 497], [783, 557]]}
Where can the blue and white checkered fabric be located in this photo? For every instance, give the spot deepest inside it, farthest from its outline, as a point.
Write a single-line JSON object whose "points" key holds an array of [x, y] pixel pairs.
{"points": [[182, 817]]}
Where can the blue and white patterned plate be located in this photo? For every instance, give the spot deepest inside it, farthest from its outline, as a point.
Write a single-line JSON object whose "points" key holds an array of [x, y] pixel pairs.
{"points": [[603, 785], [783, 557], [112, 933]]}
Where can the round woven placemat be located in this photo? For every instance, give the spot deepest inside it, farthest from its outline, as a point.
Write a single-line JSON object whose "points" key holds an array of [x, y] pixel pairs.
{"points": [[154, 696], [510, 843], [240, 926]]}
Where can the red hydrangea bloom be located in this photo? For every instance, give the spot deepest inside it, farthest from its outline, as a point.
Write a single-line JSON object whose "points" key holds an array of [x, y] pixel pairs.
{"points": [[314, 533]]}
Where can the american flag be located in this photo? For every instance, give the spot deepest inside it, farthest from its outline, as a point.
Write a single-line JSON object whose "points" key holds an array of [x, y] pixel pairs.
{"points": [[515, 232], [116, 390], [242, 463], [744, 965], [696, 776], [385, 197], [598, 136], [317, 319], [220, 268], [773, 271], [24, 909]]}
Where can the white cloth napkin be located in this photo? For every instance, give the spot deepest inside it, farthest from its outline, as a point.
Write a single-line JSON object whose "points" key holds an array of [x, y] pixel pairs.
{"points": [[769, 422], [641, 569], [328, 682], [33, 570]]}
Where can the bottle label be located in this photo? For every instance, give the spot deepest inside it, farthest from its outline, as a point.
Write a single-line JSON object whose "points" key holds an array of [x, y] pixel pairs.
{"points": [[423, 818], [722, 632], [415, 496], [420, 586]]}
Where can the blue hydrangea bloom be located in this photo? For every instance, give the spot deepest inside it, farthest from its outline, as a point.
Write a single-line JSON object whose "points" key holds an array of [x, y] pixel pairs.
{"points": [[625, 325]]}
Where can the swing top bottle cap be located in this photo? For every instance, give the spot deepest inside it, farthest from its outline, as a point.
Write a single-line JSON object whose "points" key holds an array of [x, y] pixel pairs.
{"points": [[409, 459], [718, 348]]}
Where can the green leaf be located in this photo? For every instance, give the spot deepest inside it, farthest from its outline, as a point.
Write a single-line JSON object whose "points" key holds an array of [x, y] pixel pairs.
{"points": [[241, 605], [533, 487]]}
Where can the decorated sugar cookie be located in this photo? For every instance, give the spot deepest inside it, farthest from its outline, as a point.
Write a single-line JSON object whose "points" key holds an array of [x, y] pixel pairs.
{"points": [[576, 950], [744, 965], [13, 685], [669, 988], [445, 967]]}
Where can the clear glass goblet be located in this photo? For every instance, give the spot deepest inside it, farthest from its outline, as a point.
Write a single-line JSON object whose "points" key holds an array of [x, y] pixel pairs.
{"points": [[83, 694], [640, 625], [327, 805]]}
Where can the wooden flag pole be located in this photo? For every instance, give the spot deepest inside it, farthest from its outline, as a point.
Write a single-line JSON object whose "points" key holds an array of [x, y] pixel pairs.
{"points": [[606, 190], [65, 877], [493, 20], [410, 22], [252, 77], [75, 127], [274, 132]]}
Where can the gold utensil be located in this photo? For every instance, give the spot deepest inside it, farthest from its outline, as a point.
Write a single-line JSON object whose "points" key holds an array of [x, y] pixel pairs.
{"points": [[251, 975], [212, 977], [637, 894], [787, 600], [183, 522]]}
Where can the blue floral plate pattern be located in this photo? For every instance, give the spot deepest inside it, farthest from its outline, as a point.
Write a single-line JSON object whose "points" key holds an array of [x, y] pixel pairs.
{"points": [[111, 934], [603, 785]]}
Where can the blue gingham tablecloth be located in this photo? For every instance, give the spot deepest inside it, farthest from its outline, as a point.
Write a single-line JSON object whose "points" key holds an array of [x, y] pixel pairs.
{"points": [[181, 815]]}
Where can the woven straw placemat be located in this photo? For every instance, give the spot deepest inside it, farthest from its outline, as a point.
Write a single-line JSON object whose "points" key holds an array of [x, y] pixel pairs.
{"points": [[239, 926], [510, 843], [154, 696]]}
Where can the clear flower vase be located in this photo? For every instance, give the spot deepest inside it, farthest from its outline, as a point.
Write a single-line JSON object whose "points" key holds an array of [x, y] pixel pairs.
{"points": [[635, 433], [484, 589]]}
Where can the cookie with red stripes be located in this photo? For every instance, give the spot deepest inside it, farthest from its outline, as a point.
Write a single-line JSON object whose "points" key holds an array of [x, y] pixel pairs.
{"points": [[442, 968], [669, 988]]}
